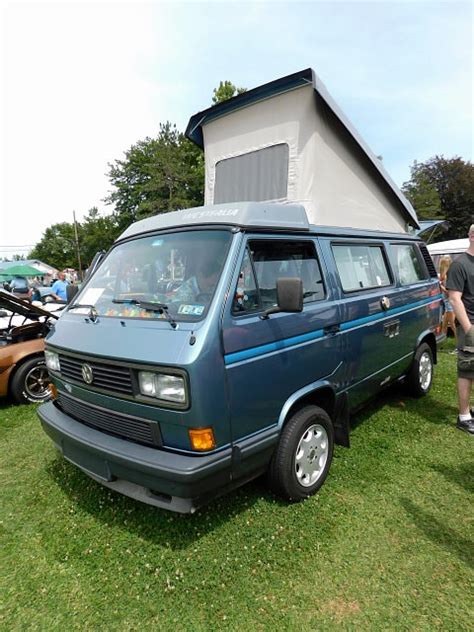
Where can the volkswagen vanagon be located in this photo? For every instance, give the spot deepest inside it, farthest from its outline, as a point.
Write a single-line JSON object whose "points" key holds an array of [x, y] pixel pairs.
{"points": [[216, 344]]}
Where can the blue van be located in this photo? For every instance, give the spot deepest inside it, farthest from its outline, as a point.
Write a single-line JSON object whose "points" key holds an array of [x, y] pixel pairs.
{"points": [[216, 344]]}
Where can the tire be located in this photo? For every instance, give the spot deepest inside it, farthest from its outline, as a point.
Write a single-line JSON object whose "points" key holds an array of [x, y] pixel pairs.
{"points": [[420, 377], [303, 456], [30, 383]]}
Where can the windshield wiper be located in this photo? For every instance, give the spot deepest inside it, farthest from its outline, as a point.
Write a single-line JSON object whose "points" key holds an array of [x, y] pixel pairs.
{"points": [[93, 315], [77, 305], [148, 306]]}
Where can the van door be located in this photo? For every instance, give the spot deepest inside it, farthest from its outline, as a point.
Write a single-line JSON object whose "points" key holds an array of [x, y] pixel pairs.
{"points": [[418, 299], [368, 288], [267, 361]]}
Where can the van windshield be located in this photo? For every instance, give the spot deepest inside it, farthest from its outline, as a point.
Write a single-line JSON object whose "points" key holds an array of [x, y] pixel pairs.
{"points": [[178, 272]]}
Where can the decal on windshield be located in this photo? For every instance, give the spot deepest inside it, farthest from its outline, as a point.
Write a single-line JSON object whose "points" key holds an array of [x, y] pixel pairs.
{"points": [[191, 310]]}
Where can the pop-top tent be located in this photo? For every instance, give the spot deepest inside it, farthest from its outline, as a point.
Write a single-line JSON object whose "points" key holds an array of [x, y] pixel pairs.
{"points": [[288, 141]]}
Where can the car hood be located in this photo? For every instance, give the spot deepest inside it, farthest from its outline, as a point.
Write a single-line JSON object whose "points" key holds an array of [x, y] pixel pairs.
{"points": [[23, 308]]}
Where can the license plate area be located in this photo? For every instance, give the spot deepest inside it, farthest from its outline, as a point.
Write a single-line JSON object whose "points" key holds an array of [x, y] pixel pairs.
{"points": [[91, 464]]}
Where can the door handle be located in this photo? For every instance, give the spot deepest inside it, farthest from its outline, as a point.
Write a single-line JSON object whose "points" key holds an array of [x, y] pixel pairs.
{"points": [[332, 330]]}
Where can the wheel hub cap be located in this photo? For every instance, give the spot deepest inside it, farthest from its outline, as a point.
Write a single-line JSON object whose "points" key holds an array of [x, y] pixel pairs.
{"points": [[311, 455]]}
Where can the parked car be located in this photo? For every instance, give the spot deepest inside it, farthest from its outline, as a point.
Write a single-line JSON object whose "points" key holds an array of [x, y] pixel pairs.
{"points": [[23, 326]]}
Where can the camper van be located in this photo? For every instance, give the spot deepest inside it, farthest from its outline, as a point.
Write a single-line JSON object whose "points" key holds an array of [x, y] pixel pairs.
{"points": [[215, 344]]}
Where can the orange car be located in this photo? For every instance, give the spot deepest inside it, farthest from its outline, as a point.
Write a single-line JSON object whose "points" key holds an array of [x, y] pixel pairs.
{"points": [[23, 326]]}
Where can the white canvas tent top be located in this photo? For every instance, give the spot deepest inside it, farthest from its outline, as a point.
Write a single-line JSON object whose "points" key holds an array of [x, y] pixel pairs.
{"points": [[287, 141], [452, 247]]}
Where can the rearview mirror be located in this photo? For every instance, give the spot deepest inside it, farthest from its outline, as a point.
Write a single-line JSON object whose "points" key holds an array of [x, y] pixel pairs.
{"points": [[289, 297]]}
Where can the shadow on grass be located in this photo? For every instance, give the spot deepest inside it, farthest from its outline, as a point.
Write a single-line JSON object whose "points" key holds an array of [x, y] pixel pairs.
{"points": [[439, 533], [462, 475], [431, 409], [157, 525]]}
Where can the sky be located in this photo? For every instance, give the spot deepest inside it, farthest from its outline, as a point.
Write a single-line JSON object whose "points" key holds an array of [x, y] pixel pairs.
{"points": [[80, 82]]}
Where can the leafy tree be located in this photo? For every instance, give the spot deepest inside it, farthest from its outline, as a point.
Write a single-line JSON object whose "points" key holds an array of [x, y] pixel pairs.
{"points": [[225, 91], [443, 188], [158, 175], [57, 246], [96, 233]]}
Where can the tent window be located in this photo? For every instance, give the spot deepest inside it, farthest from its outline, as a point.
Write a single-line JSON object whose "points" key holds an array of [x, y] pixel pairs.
{"points": [[257, 176]]}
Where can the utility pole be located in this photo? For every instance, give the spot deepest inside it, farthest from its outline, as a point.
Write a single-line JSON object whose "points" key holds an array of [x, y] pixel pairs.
{"points": [[76, 239]]}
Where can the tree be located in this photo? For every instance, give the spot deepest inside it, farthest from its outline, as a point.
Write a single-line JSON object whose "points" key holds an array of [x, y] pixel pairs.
{"points": [[158, 175], [96, 233], [225, 91], [443, 188], [57, 246]]}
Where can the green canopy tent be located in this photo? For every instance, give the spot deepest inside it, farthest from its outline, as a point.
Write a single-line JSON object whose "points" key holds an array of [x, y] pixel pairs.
{"points": [[20, 270]]}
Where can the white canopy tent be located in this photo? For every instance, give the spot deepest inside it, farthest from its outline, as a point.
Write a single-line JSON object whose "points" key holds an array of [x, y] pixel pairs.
{"points": [[287, 141]]}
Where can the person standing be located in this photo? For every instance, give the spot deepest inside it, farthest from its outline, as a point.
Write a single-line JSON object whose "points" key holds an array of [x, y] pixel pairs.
{"points": [[460, 284], [59, 292], [448, 317]]}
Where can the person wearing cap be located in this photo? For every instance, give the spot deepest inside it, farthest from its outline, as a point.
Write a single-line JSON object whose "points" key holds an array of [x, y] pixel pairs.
{"points": [[59, 292], [460, 284]]}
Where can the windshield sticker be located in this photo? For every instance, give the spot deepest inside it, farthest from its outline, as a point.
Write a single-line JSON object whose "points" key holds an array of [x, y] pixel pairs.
{"points": [[92, 295], [191, 310]]}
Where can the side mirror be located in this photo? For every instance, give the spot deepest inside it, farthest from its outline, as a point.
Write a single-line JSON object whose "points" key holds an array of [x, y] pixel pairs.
{"points": [[289, 297], [71, 291]]}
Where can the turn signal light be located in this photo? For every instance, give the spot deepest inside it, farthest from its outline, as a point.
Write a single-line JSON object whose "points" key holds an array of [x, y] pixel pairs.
{"points": [[53, 390], [202, 439]]}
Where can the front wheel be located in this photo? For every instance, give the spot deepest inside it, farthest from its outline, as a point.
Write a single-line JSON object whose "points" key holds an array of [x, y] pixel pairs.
{"points": [[31, 382], [420, 377], [303, 456]]}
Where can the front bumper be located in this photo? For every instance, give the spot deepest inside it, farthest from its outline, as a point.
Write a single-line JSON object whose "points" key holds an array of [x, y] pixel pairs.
{"points": [[177, 482]]}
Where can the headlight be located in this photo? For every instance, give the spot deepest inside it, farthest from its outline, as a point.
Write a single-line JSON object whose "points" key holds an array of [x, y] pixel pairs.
{"points": [[52, 361], [170, 388]]}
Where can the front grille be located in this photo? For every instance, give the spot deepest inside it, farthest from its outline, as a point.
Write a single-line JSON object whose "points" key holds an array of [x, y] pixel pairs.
{"points": [[110, 377], [117, 424]]}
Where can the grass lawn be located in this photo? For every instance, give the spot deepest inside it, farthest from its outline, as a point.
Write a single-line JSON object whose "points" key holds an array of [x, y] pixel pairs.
{"points": [[387, 544]]}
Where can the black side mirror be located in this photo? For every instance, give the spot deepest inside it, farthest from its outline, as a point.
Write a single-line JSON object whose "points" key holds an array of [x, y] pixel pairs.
{"points": [[71, 291], [289, 297]]}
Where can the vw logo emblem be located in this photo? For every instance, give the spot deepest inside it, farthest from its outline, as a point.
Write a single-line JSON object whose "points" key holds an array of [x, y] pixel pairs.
{"points": [[87, 374]]}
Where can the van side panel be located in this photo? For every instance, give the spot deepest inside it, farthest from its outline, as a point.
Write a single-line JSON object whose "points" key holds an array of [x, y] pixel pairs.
{"points": [[379, 342]]}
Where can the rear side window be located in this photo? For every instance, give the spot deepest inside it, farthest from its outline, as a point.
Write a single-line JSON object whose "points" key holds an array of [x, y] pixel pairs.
{"points": [[361, 266], [266, 261], [409, 265]]}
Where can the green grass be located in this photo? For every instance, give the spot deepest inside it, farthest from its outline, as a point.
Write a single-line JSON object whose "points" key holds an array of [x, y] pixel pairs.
{"points": [[387, 544]]}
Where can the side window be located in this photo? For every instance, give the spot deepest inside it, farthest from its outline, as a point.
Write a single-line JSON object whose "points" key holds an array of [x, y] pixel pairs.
{"points": [[266, 261], [246, 296], [361, 266], [410, 268]]}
